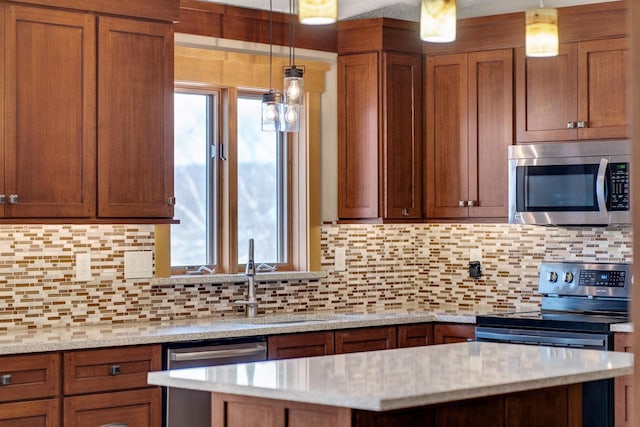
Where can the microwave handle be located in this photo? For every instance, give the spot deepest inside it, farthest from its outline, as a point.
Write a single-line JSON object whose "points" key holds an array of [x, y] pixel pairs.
{"points": [[600, 181]]}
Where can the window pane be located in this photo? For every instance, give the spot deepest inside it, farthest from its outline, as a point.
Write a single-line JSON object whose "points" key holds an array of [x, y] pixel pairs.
{"points": [[260, 191], [189, 238]]}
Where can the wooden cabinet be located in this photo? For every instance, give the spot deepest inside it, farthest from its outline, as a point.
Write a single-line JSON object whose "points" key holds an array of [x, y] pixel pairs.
{"points": [[379, 135], [135, 118], [415, 335], [580, 94], [37, 413], [365, 339], [300, 345], [623, 392], [451, 333], [469, 104], [29, 377], [49, 148]]}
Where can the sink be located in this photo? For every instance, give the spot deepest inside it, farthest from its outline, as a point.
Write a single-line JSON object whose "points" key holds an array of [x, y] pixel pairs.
{"points": [[290, 318]]}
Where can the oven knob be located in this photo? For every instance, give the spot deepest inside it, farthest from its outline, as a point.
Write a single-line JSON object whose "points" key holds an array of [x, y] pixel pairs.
{"points": [[552, 276], [568, 277]]}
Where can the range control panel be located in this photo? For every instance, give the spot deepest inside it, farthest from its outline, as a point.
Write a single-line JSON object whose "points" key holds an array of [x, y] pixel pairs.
{"points": [[585, 279]]}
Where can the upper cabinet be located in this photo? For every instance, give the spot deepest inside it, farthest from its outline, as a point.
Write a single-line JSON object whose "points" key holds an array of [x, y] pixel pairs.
{"points": [[580, 94], [88, 112], [379, 136], [468, 123]]}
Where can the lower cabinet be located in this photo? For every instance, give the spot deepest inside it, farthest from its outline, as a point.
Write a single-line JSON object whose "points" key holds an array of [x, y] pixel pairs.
{"points": [[300, 345], [415, 335], [365, 339], [445, 333], [623, 391], [37, 413]]}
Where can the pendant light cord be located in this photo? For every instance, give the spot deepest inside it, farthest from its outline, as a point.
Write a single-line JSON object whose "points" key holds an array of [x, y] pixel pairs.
{"points": [[292, 35], [270, 45]]}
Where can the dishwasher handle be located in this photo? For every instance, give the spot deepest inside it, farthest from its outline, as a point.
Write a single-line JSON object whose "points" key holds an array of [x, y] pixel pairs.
{"points": [[217, 354]]}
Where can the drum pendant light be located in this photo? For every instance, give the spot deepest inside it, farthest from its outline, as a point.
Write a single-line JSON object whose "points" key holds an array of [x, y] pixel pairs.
{"points": [[542, 32], [438, 21], [318, 12]]}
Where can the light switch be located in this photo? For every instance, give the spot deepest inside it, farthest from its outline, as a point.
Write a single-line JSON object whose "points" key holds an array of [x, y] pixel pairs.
{"points": [[138, 264], [340, 261], [83, 267]]}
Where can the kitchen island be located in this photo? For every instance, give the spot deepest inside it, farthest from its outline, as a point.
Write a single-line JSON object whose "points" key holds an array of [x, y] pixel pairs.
{"points": [[457, 384]]}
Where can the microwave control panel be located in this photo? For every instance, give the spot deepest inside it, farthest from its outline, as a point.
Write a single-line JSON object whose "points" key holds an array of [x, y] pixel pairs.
{"points": [[618, 187]]}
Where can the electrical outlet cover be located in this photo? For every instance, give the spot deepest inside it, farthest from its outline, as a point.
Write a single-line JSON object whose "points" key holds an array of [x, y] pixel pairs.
{"points": [[340, 260], [138, 264]]}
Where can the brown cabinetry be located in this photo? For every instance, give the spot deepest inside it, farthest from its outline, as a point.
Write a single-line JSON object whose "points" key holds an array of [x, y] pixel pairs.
{"points": [[452, 333], [623, 391], [300, 345], [37, 413], [415, 335], [469, 104], [365, 339], [379, 132], [580, 94]]}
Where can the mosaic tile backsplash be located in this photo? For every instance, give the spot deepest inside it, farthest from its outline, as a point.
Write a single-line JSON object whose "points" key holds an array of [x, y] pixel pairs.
{"points": [[388, 267]]}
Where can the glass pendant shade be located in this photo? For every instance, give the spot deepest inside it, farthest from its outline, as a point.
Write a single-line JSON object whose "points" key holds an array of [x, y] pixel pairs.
{"points": [[542, 32], [270, 111], [438, 21], [289, 118], [318, 12], [293, 85]]}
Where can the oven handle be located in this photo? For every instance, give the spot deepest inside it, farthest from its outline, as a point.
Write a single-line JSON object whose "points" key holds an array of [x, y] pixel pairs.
{"points": [[600, 182], [525, 339]]}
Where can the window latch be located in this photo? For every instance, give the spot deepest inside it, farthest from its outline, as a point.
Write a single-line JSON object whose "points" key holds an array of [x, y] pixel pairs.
{"points": [[221, 152]]}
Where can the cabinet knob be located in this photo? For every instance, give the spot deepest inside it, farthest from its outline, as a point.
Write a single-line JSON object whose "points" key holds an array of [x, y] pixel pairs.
{"points": [[13, 199], [3, 199], [462, 203], [114, 370], [471, 203], [571, 125], [171, 201], [5, 379], [582, 124], [405, 211]]}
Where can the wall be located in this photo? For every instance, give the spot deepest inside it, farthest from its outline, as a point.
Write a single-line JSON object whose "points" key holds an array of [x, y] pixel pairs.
{"points": [[407, 267]]}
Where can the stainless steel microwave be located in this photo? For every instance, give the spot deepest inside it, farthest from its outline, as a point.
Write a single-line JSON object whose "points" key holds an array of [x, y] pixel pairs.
{"points": [[570, 183]]}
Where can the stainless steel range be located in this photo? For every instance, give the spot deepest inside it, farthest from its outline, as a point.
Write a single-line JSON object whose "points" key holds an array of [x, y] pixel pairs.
{"points": [[580, 301]]}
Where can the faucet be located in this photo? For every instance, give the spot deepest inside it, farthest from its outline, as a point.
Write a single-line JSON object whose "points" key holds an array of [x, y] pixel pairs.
{"points": [[251, 303]]}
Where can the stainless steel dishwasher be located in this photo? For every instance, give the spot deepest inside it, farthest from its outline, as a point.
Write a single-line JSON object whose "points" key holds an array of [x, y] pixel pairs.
{"points": [[193, 408]]}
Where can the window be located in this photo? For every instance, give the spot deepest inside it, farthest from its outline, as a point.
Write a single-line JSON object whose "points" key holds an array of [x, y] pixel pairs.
{"points": [[213, 201]]}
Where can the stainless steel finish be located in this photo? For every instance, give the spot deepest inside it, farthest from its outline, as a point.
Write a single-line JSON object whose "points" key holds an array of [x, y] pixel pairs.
{"points": [[600, 196], [13, 199], [114, 370], [572, 288], [251, 303], [566, 153], [405, 211], [193, 408], [552, 276], [571, 125], [471, 203], [171, 201], [582, 124], [115, 425], [3, 199], [5, 379], [462, 203], [543, 337], [568, 277]]}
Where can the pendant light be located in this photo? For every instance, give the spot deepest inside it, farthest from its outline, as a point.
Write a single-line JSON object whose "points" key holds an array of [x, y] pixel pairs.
{"points": [[438, 21], [318, 12], [271, 99], [293, 94], [542, 31]]}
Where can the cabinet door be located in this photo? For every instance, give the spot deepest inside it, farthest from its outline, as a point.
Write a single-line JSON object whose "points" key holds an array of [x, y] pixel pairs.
{"points": [[135, 118], [415, 335], [358, 135], [33, 376], [138, 408], [447, 334], [603, 87], [2, 132], [300, 345], [446, 170], [50, 112], [490, 131], [402, 140], [37, 413], [367, 339], [622, 392], [546, 96]]}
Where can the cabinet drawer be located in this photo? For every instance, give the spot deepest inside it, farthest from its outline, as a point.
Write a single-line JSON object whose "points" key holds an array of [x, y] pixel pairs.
{"points": [[134, 408], [415, 335], [368, 339], [36, 413], [300, 345], [29, 377], [93, 371]]}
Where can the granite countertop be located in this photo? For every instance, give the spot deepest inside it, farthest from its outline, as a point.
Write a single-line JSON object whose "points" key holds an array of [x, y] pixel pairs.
{"points": [[112, 335], [622, 327], [404, 378]]}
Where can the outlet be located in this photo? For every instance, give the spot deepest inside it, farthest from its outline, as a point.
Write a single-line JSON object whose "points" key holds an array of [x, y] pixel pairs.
{"points": [[340, 259], [138, 264], [475, 254], [83, 267]]}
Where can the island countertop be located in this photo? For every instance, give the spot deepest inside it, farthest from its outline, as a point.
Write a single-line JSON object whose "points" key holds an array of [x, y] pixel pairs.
{"points": [[404, 378]]}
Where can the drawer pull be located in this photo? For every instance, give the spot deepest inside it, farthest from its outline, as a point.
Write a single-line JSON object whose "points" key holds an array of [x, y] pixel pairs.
{"points": [[115, 425], [114, 370], [5, 379]]}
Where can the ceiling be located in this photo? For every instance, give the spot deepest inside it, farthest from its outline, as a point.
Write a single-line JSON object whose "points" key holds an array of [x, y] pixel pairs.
{"points": [[409, 10]]}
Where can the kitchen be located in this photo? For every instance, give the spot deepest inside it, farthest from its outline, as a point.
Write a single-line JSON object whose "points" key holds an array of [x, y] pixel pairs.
{"points": [[375, 277]]}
